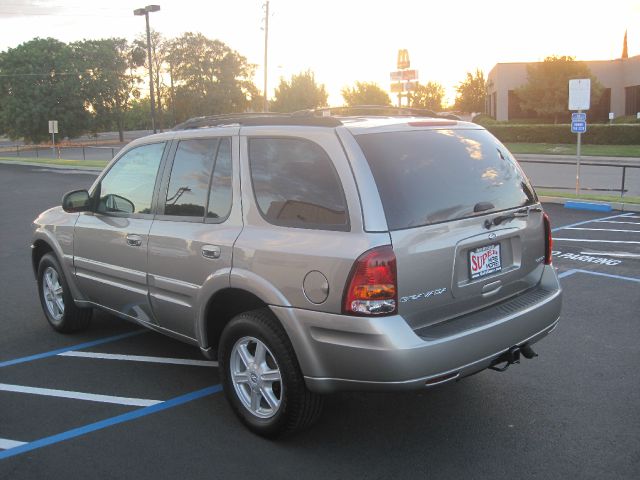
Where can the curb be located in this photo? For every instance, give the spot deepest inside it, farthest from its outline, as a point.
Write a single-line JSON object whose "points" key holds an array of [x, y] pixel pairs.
{"points": [[592, 205]]}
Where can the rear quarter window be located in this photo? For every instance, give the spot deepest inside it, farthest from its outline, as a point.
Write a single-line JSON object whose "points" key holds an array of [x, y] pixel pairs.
{"points": [[432, 176], [296, 184]]}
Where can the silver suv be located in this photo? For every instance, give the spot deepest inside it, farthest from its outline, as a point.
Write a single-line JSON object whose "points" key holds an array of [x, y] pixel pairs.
{"points": [[310, 254]]}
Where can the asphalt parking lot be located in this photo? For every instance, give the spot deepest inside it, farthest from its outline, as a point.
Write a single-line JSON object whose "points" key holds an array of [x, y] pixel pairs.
{"points": [[119, 402]]}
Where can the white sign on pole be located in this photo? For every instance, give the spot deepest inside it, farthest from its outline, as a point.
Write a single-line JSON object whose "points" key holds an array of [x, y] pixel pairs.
{"points": [[579, 94], [53, 126]]}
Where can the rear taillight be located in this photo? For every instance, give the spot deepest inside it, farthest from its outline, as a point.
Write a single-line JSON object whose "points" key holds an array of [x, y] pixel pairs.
{"points": [[372, 287], [548, 240]]}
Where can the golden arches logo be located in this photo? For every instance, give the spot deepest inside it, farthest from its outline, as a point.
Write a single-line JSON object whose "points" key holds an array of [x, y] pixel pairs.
{"points": [[403, 59]]}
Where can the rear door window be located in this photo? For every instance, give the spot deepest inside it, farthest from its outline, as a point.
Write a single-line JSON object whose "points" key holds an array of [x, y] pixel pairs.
{"points": [[190, 175], [431, 176], [296, 184]]}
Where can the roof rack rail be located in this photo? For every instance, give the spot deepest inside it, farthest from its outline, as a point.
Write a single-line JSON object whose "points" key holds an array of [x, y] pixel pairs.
{"points": [[255, 119], [375, 111]]}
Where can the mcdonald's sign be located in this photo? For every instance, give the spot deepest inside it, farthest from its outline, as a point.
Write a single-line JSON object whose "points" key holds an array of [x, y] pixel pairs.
{"points": [[403, 59]]}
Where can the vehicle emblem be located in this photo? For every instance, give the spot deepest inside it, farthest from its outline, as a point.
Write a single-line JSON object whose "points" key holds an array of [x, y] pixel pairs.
{"points": [[492, 236], [423, 295]]}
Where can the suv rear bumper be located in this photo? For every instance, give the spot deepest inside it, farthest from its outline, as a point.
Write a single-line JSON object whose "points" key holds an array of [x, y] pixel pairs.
{"points": [[339, 352]]}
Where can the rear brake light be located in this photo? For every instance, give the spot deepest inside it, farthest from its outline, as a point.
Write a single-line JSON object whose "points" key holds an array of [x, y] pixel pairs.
{"points": [[548, 240], [372, 286]]}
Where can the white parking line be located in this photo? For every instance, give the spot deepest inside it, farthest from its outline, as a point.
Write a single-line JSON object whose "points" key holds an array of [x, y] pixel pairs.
{"points": [[137, 402], [608, 254], [140, 358], [6, 444], [601, 219], [614, 221], [602, 229], [593, 241]]}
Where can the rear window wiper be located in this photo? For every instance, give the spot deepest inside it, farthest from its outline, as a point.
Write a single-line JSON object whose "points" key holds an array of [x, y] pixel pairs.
{"points": [[523, 212]]}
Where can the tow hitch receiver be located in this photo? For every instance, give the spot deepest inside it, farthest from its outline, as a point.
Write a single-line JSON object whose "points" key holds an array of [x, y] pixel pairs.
{"points": [[512, 356], [509, 357]]}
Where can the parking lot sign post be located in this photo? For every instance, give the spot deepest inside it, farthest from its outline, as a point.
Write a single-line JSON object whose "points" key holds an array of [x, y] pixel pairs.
{"points": [[579, 99], [579, 126], [53, 129]]}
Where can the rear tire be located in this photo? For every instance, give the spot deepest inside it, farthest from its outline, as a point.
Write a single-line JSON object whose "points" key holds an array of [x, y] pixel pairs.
{"points": [[57, 303], [261, 376]]}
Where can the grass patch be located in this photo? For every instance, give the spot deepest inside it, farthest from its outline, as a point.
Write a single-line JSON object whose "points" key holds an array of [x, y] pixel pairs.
{"points": [[589, 196], [58, 161], [570, 149]]}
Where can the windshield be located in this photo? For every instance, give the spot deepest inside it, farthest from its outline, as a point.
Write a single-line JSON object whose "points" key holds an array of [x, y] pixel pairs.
{"points": [[432, 176]]}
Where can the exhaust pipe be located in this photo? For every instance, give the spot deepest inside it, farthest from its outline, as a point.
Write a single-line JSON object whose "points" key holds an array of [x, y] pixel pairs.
{"points": [[528, 352]]}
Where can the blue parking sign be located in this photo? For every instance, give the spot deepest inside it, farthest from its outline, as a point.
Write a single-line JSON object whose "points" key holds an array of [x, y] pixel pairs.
{"points": [[578, 122]]}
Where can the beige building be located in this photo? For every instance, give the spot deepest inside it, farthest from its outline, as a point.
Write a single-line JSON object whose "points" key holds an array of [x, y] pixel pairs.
{"points": [[620, 78]]}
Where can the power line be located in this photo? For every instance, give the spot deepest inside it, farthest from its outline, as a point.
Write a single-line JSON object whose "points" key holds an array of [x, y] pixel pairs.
{"points": [[50, 14], [56, 6], [54, 74]]}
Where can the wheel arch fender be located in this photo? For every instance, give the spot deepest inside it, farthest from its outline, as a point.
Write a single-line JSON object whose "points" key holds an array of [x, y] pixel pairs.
{"points": [[226, 294], [45, 242]]}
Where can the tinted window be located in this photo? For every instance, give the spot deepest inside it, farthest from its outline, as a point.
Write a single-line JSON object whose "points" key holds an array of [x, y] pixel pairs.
{"points": [[189, 180], [431, 176], [296, 184], [128, 185], [220, 194]]}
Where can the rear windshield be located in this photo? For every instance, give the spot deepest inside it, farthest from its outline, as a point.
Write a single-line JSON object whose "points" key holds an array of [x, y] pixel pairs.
{"points": [[432, 176]]}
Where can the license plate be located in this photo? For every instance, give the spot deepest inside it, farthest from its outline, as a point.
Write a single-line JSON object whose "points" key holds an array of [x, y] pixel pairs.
{"points": [[485, 261]]}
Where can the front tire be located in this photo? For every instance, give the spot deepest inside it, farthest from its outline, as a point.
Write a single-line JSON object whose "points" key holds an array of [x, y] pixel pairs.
{"points": [[55, 296], [261, 376]]}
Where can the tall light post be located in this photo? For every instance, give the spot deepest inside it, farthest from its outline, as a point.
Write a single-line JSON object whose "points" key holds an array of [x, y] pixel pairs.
{"points": [[265, 107], [145, 11]]}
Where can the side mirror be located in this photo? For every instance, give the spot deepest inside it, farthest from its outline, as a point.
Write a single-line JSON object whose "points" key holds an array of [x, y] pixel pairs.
{"points": [[76, 201]]}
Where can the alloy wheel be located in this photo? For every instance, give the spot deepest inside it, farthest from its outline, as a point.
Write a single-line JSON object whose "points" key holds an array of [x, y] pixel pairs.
{"points": [[256, 377]]}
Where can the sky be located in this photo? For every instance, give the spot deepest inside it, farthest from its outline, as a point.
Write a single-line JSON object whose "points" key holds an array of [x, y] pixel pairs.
{"points": [[343, 41]]}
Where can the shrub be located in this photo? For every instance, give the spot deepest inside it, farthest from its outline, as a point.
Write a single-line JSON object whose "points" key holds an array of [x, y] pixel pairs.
{"points": [[484, 120], [626, 119], [595, 134]]}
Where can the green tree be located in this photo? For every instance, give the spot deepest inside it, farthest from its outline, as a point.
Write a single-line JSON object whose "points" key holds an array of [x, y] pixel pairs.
{"points": [[471, 93], [547, 88], [300, 93], [109, 80], [365, 93], [429, 96], [138, 115], [41, 80], [210, 78]]}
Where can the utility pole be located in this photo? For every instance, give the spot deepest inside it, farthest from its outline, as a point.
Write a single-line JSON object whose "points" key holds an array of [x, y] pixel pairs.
{"points": [[265, 107], [145, 11], [173, 97]]}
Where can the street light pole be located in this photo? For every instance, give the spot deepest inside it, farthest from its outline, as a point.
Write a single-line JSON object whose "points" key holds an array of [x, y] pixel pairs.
{"points": [[265, 107], [145, 11]]}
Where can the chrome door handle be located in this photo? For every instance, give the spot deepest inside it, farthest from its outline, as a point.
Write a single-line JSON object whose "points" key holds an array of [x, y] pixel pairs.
{"points": [[134, 240], [211, 251]]}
